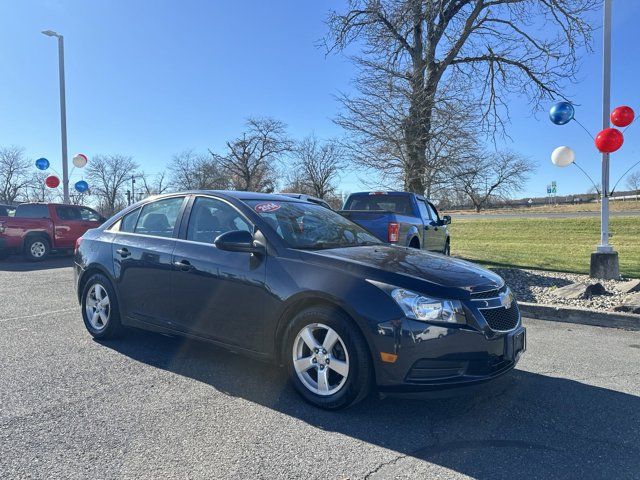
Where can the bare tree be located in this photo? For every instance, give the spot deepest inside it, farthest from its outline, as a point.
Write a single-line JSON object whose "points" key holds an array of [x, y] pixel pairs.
{"points": [[192, 171], [252, 159], [154, 184], [108, 176], [15, 174], [633, 181], [318, 164], [37, 191], [482, 49], [493, 176], [295, 183]]}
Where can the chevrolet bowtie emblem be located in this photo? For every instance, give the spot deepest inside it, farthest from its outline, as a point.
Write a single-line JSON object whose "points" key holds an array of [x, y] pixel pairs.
{"points": [[506, 299]]}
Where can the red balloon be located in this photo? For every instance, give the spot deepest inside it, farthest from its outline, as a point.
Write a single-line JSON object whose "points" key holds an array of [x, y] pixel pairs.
{"points": [[622, 116], [52, 181], [609, 140]]}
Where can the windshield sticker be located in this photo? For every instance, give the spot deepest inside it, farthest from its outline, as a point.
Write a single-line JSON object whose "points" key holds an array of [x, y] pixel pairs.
{"points": [[267, 207]]}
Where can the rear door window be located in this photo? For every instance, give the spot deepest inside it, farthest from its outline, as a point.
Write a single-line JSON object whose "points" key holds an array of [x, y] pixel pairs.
{"points": [[424, 211], [433, 212], [159, 218], [128, 222]]}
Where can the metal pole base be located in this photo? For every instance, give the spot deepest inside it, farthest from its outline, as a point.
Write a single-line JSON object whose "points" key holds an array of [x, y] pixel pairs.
{"points": [[604, 265]]}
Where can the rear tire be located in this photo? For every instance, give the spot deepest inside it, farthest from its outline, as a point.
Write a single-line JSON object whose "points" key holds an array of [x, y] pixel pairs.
{"points": [[414, 243], [100, 311], [340, 372], [36, 249]]}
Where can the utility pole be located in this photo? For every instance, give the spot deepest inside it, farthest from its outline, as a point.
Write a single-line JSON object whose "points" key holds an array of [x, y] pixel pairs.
{"points": [[604, 261], [63, 113], [133, 189]]}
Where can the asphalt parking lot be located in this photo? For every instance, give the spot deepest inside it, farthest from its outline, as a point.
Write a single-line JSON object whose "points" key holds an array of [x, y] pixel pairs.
{"points": [[152, 406]]}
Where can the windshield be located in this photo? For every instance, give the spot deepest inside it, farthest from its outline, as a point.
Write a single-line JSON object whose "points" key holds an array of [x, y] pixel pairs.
{"points": [[311, 226]]}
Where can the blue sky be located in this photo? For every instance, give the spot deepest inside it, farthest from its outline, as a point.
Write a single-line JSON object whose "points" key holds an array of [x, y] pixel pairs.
{"points": [[149, 79]]}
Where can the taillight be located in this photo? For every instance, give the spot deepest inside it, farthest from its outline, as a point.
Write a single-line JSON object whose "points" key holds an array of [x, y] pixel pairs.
{"points": [[78, 242], [393, 232]]}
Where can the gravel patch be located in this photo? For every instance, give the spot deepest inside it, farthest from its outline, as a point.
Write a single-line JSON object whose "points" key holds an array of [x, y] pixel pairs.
{"points": [[538, 286]]}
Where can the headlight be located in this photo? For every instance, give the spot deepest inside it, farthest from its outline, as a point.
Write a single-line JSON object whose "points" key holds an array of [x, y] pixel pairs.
{"points": [[428, 309]]}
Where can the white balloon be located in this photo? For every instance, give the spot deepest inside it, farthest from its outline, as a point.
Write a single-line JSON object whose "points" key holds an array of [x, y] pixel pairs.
{"points": [[79, 160], [563, 156]]}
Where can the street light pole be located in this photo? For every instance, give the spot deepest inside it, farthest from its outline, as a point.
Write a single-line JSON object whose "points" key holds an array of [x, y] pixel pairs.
{"points": [[606, 109], [63, 114], [604, 262]]}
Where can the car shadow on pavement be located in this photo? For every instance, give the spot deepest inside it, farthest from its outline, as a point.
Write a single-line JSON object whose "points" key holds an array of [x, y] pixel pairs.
{"points": [[525, 425], [18, 264]]}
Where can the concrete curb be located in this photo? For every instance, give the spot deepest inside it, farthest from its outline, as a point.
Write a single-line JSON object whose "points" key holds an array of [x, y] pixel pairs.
{"points": [[582, 316]]}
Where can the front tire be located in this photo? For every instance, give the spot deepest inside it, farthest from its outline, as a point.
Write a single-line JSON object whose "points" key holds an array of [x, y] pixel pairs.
{"points": [[327, 359], [36, 249], [100, 311]]}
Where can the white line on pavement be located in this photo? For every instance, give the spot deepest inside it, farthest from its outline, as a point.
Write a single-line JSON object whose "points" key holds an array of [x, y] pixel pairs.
{"points": [[2, 320]]}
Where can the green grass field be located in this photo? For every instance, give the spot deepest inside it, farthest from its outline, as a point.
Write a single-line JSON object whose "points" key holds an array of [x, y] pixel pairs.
{"points": [[545, 243]]}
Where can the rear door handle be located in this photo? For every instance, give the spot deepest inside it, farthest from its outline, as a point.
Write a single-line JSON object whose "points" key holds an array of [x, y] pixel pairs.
{"points": [[183, 265], [123, 252]]}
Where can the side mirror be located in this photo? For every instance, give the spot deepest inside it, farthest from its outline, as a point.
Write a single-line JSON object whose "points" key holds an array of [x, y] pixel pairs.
{"points": [[446, 219], [237, 241]]}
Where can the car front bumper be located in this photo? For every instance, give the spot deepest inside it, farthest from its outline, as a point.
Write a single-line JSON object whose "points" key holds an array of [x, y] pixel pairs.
{"points": [[429, 357]]}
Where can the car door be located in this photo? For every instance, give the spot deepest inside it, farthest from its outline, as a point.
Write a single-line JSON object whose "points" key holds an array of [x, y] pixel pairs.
{"points": [[71, 222], [218, 294], [142, 254], [66, 220], [439, 232]]}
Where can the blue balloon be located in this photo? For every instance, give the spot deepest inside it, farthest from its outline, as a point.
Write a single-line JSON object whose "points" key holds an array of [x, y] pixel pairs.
{"points": [[42, 164], [561, 113], [82, 186]]}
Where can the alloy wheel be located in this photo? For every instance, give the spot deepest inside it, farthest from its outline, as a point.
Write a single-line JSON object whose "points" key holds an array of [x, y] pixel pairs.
{"points": [[38, 249], [320, 359], [98, 307]]}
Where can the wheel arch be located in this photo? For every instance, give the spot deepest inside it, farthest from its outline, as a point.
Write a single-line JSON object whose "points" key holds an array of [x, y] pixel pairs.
{"points": [[304, 301], [88, 273], [36, 234]]}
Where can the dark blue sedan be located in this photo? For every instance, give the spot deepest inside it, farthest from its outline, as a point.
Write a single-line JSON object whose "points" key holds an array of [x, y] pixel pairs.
{"points": [[295, 283]]}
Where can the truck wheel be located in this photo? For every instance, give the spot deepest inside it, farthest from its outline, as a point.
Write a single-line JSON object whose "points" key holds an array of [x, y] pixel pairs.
{"points": [[327, 359], [36, 249], [415, 243]]}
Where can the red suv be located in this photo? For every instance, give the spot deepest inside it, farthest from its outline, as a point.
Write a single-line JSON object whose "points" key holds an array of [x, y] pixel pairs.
{"points": [[36, 229]]}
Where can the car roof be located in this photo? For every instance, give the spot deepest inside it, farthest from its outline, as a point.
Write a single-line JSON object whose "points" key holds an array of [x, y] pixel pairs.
{"points": [[233, 194]]}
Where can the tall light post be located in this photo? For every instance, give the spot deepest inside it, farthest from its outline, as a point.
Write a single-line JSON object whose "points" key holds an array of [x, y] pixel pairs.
{"points": [[604, 261], [63, 113]]}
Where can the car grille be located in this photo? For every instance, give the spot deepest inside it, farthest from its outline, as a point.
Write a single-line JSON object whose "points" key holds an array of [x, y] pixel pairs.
{"points": [[502, 319], [488, 293]]}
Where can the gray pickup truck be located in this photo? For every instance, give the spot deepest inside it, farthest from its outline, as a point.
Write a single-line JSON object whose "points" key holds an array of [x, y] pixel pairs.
{"points": [[400, 218]]}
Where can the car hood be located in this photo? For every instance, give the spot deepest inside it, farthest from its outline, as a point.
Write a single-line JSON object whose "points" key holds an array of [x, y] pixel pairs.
{"points": [[411, 268]]}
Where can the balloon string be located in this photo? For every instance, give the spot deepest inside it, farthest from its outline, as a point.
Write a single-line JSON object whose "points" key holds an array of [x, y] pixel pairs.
{"points": [[583, 127], [623, 175], [587, 175]]}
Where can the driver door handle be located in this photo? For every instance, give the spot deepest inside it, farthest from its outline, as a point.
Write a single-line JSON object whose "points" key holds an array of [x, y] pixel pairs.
{"points": [[183, 265]]}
